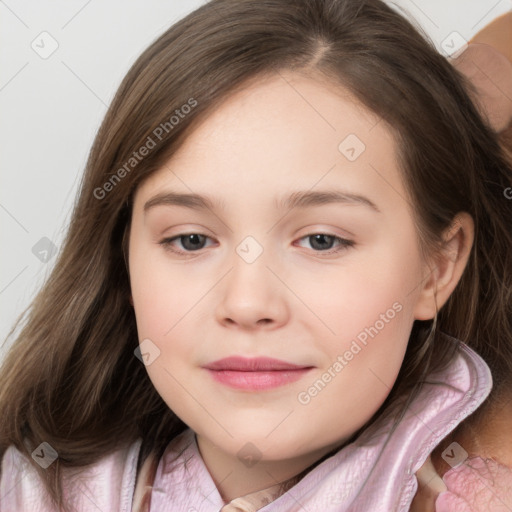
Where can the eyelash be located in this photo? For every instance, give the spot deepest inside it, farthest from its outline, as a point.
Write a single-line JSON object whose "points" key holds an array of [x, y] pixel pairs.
{"points": [[344, 244]]}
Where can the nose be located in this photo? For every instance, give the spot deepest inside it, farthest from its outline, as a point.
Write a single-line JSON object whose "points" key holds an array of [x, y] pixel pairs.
{"points": [[252, 297]]}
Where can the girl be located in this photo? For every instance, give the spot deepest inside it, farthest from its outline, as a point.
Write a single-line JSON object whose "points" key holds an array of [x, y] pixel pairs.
{"points": [[289, 259]]}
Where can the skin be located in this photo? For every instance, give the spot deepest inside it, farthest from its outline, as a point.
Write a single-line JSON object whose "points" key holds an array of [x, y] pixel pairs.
{"points": [[278, 135], [491, 73]]}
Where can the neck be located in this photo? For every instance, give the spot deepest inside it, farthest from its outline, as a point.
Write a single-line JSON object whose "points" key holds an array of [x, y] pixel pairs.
{"points": [[235, 478]]}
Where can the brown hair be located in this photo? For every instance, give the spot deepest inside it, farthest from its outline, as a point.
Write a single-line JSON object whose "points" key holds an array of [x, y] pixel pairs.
{"points": [[71, 377]]}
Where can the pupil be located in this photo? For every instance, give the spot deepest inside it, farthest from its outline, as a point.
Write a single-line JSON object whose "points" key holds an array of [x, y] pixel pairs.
{"points": [[190, 238], [317, 237]]}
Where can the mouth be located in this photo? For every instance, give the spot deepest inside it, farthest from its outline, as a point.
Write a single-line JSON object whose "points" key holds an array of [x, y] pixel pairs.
{"points": [[255, 373]]}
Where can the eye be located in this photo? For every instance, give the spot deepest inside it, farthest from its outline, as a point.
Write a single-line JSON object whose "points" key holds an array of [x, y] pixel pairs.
{"points": [[191, 242], [323, 242]]}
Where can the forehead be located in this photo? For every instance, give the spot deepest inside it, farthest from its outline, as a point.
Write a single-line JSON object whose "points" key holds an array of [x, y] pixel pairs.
{"points": [[281, 133]]}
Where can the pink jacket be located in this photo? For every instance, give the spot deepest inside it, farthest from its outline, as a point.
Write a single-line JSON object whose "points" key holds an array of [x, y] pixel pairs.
{"points": [[375, 473]]}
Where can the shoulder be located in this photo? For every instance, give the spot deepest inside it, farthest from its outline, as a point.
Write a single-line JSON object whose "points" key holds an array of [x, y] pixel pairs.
{"points": [[107, 484], [20, 485]]}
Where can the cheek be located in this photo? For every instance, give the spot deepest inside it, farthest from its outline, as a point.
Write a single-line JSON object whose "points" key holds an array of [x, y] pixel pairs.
{"points": [[370, 310], [163, 293], [164, 309], [373, 290], [361, 363]]}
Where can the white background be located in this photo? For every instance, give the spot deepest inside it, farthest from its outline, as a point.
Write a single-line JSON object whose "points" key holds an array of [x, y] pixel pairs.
{"points": [[51, 108]]}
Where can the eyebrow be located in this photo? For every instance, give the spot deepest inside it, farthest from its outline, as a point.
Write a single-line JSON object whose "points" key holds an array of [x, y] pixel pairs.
{"points": [[298, 199]]}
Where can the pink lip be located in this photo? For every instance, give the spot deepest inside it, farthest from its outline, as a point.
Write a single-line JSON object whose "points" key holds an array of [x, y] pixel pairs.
{"points": [[255, 373]]}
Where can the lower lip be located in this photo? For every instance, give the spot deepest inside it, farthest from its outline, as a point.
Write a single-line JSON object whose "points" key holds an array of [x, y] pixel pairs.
{"points": [[257, 380]]}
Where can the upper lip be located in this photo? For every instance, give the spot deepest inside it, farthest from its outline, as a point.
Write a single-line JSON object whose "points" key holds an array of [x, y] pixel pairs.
{"points": [[256, 364]]}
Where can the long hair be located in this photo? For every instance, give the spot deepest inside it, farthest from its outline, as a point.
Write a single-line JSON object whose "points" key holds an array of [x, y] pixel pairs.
{"points": [[71, 378]]}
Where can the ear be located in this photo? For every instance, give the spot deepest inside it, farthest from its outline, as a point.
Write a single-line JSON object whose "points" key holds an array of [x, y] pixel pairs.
{"points": [[444, 270]]}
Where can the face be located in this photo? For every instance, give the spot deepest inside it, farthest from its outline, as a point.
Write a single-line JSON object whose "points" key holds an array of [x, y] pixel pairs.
{"points": [[328, 283]]}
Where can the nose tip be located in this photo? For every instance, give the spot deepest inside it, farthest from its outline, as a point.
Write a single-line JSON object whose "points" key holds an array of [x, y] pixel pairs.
{"points": [[249, 298]]}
